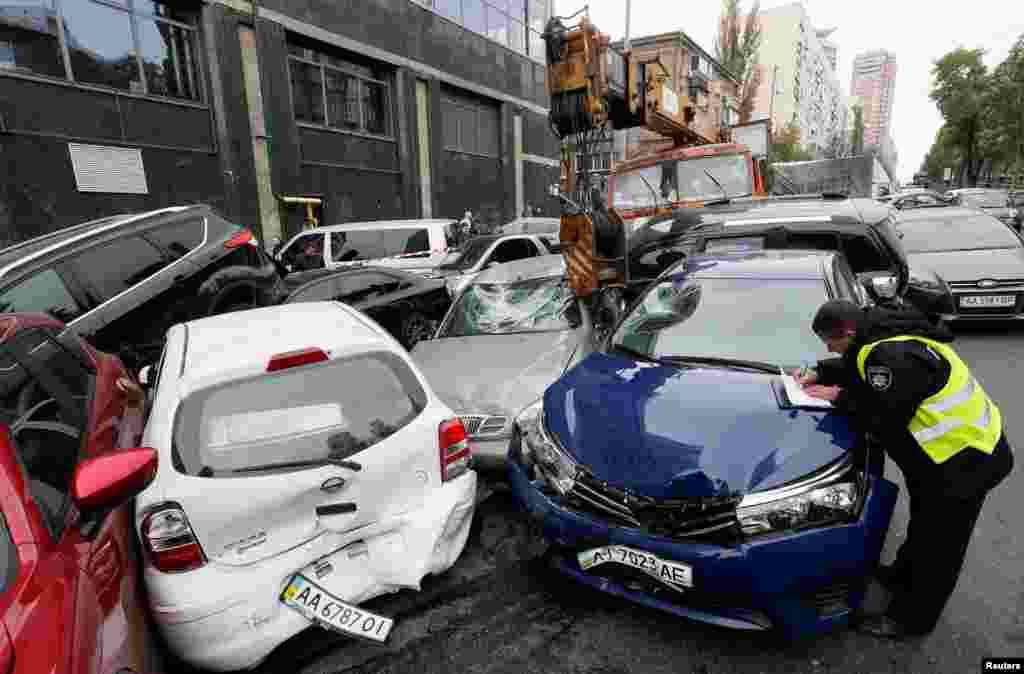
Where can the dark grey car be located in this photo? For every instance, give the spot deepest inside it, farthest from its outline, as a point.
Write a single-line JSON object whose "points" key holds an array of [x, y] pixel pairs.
{"points": [[977, 256], [996, 203], [122, 281]]}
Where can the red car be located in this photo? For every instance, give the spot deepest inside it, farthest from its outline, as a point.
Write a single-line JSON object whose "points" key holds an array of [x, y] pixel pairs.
{"points": [[70, 600]]}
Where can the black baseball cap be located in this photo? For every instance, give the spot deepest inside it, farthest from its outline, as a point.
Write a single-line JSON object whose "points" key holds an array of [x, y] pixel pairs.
{"points": [[835, 317]]}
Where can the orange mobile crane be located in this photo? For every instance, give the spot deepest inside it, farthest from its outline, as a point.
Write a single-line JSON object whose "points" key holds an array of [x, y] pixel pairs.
{"points": [[593, 90]]}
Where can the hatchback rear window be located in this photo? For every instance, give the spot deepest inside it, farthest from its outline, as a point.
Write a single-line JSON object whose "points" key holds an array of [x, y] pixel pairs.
{"points": [[329, 410]]}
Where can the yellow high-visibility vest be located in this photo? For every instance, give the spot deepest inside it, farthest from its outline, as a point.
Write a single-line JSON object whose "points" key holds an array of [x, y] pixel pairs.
{"points": [[958, 416]]}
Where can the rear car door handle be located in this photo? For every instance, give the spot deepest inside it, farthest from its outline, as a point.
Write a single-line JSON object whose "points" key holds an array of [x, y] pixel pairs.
{"points": [[335, 509]]}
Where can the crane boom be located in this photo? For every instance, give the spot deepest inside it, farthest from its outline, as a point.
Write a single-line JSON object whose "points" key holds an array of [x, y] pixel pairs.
{"points": [[593, 90]]}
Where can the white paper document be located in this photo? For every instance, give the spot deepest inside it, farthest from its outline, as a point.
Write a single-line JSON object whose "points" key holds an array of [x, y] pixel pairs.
{"points": [[799, 398]]}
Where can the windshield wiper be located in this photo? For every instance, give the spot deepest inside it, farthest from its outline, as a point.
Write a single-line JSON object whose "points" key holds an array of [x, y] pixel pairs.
{"points": [[725, 195], [638, 355], [726, 362], [309, 463]]}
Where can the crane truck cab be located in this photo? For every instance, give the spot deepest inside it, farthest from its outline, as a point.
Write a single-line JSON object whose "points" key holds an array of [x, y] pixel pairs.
{"points": [[681, 177]]}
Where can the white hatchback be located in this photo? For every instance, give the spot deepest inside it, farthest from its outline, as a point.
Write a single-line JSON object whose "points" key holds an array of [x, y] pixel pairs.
{"points": [[305, 467]]}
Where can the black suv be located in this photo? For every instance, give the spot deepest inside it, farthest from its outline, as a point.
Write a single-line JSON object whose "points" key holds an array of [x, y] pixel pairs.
{"points": [[122, 281], [862, 229]]}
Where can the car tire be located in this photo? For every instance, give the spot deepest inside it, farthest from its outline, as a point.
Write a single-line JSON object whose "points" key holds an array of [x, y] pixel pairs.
{"points": [[414, 328]]}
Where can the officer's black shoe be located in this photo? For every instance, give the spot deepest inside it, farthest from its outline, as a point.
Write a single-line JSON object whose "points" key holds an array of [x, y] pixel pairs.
{"points": [[883, 626]]}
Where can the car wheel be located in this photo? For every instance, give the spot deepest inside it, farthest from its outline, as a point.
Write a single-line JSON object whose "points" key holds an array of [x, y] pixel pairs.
{"points": [[414, 329]]}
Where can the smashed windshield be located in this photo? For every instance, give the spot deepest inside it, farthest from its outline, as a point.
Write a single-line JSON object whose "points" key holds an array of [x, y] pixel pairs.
{"points": [[537, 305], [470, 253], [683, 180], [740, 318]]}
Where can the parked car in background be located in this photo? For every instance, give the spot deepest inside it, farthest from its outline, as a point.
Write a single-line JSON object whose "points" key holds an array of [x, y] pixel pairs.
{"points": [[70, 599], [919, 199], [122, 281], [418, 245], [977, 256], [482, 252], [510, 334], [407, 305], [306, 466], [862, 229], [994, 202], [547, 227], [672, 468]]}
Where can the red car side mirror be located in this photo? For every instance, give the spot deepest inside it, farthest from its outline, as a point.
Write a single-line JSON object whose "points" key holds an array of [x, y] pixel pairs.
{"points": [[109, 480]]}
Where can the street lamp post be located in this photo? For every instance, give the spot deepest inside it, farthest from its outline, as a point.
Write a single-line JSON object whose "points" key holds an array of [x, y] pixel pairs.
{"points": [[771, 99]]}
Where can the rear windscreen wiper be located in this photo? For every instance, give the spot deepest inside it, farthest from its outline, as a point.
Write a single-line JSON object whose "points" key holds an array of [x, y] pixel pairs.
{"points": [[726, 362], [309, 463]]}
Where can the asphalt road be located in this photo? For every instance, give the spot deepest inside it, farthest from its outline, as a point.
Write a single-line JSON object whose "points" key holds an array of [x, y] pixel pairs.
{"points": [[499, 610]]}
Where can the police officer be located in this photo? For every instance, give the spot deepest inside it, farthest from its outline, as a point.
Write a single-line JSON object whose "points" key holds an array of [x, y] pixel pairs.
{"points": [[900, 381]]}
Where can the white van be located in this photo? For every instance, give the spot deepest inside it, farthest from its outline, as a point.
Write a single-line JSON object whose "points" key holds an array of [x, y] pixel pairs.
{"points": [[412, 245]]}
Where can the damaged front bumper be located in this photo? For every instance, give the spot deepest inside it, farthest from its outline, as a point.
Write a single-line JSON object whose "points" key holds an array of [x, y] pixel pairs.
{"points": [[235, 617], [799, 583]]}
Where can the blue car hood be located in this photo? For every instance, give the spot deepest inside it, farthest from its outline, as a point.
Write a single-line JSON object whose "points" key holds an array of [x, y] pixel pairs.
{"points": [[667, 432]]}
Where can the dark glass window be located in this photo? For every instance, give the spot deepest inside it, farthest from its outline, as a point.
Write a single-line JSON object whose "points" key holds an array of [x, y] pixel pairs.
{"points": [[29, 38], [340, 94], [99, 39], [178, 238], [168, 49], [470, 126], [112, 268], [45, 293]]}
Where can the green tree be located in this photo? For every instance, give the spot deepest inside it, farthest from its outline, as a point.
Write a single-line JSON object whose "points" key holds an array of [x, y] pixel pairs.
{"points": [[942, 155], [857, 135], [736, 47], [785, 145], [1002, 137], [960, 92]]}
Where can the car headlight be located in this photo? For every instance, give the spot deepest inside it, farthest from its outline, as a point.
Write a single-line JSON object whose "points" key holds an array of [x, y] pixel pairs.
{"points": [[816, 507], [556, 468]]}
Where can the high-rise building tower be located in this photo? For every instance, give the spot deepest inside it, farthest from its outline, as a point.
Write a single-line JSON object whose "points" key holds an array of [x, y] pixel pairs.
{"points": [[874, 82]]}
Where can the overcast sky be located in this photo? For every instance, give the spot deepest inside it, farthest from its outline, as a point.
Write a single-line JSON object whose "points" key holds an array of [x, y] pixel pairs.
{"points": [[917, 32]]}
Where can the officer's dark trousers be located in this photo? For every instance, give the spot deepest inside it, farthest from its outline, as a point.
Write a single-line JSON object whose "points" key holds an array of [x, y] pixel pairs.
{"points": [[928, 563]]}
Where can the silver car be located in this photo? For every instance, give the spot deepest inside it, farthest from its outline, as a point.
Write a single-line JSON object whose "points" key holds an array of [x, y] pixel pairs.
{"points": [[509, 335]]}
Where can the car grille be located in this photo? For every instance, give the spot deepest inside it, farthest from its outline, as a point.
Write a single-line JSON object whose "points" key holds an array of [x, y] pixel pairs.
{"points": [[482, 425], [670, 518], [1007, 284]]}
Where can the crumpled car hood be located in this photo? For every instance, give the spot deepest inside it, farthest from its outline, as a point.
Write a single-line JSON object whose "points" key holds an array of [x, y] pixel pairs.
{"points": [[666, 432], [494, 374]]}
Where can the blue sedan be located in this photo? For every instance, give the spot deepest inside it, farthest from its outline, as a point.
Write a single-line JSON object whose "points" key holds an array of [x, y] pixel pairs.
{"points": [[672, 468]]}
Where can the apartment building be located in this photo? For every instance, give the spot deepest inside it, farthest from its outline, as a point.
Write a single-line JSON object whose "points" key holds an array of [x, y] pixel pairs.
{"points": [[800, 62], [874, 81]]}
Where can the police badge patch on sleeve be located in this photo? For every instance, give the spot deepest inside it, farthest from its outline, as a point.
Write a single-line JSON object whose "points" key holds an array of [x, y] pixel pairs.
{"points": [[880, 377]]}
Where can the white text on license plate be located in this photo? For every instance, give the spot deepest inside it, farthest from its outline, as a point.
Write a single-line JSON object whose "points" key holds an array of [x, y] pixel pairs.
{"points": [[322, 607], [673, 573], [988, 300]]}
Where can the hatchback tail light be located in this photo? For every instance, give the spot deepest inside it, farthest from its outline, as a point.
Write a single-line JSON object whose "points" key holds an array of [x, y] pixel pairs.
{"points": [[169, 540], [455, 451]]}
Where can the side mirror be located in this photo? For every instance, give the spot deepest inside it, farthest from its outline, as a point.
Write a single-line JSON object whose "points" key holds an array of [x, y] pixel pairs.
{"points": [[884, 287], [108, 480]]}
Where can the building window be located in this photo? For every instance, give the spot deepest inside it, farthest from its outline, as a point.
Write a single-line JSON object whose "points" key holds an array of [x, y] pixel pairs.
{"points": [[470, 127], [339, 94], [108, 44], [516, 24]]}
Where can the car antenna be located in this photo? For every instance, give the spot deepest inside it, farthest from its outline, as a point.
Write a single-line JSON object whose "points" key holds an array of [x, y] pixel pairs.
{"points": [[653, 191]]}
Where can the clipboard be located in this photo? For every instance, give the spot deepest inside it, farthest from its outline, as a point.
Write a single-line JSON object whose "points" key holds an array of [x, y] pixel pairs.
{"points": [[792, 396]]}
